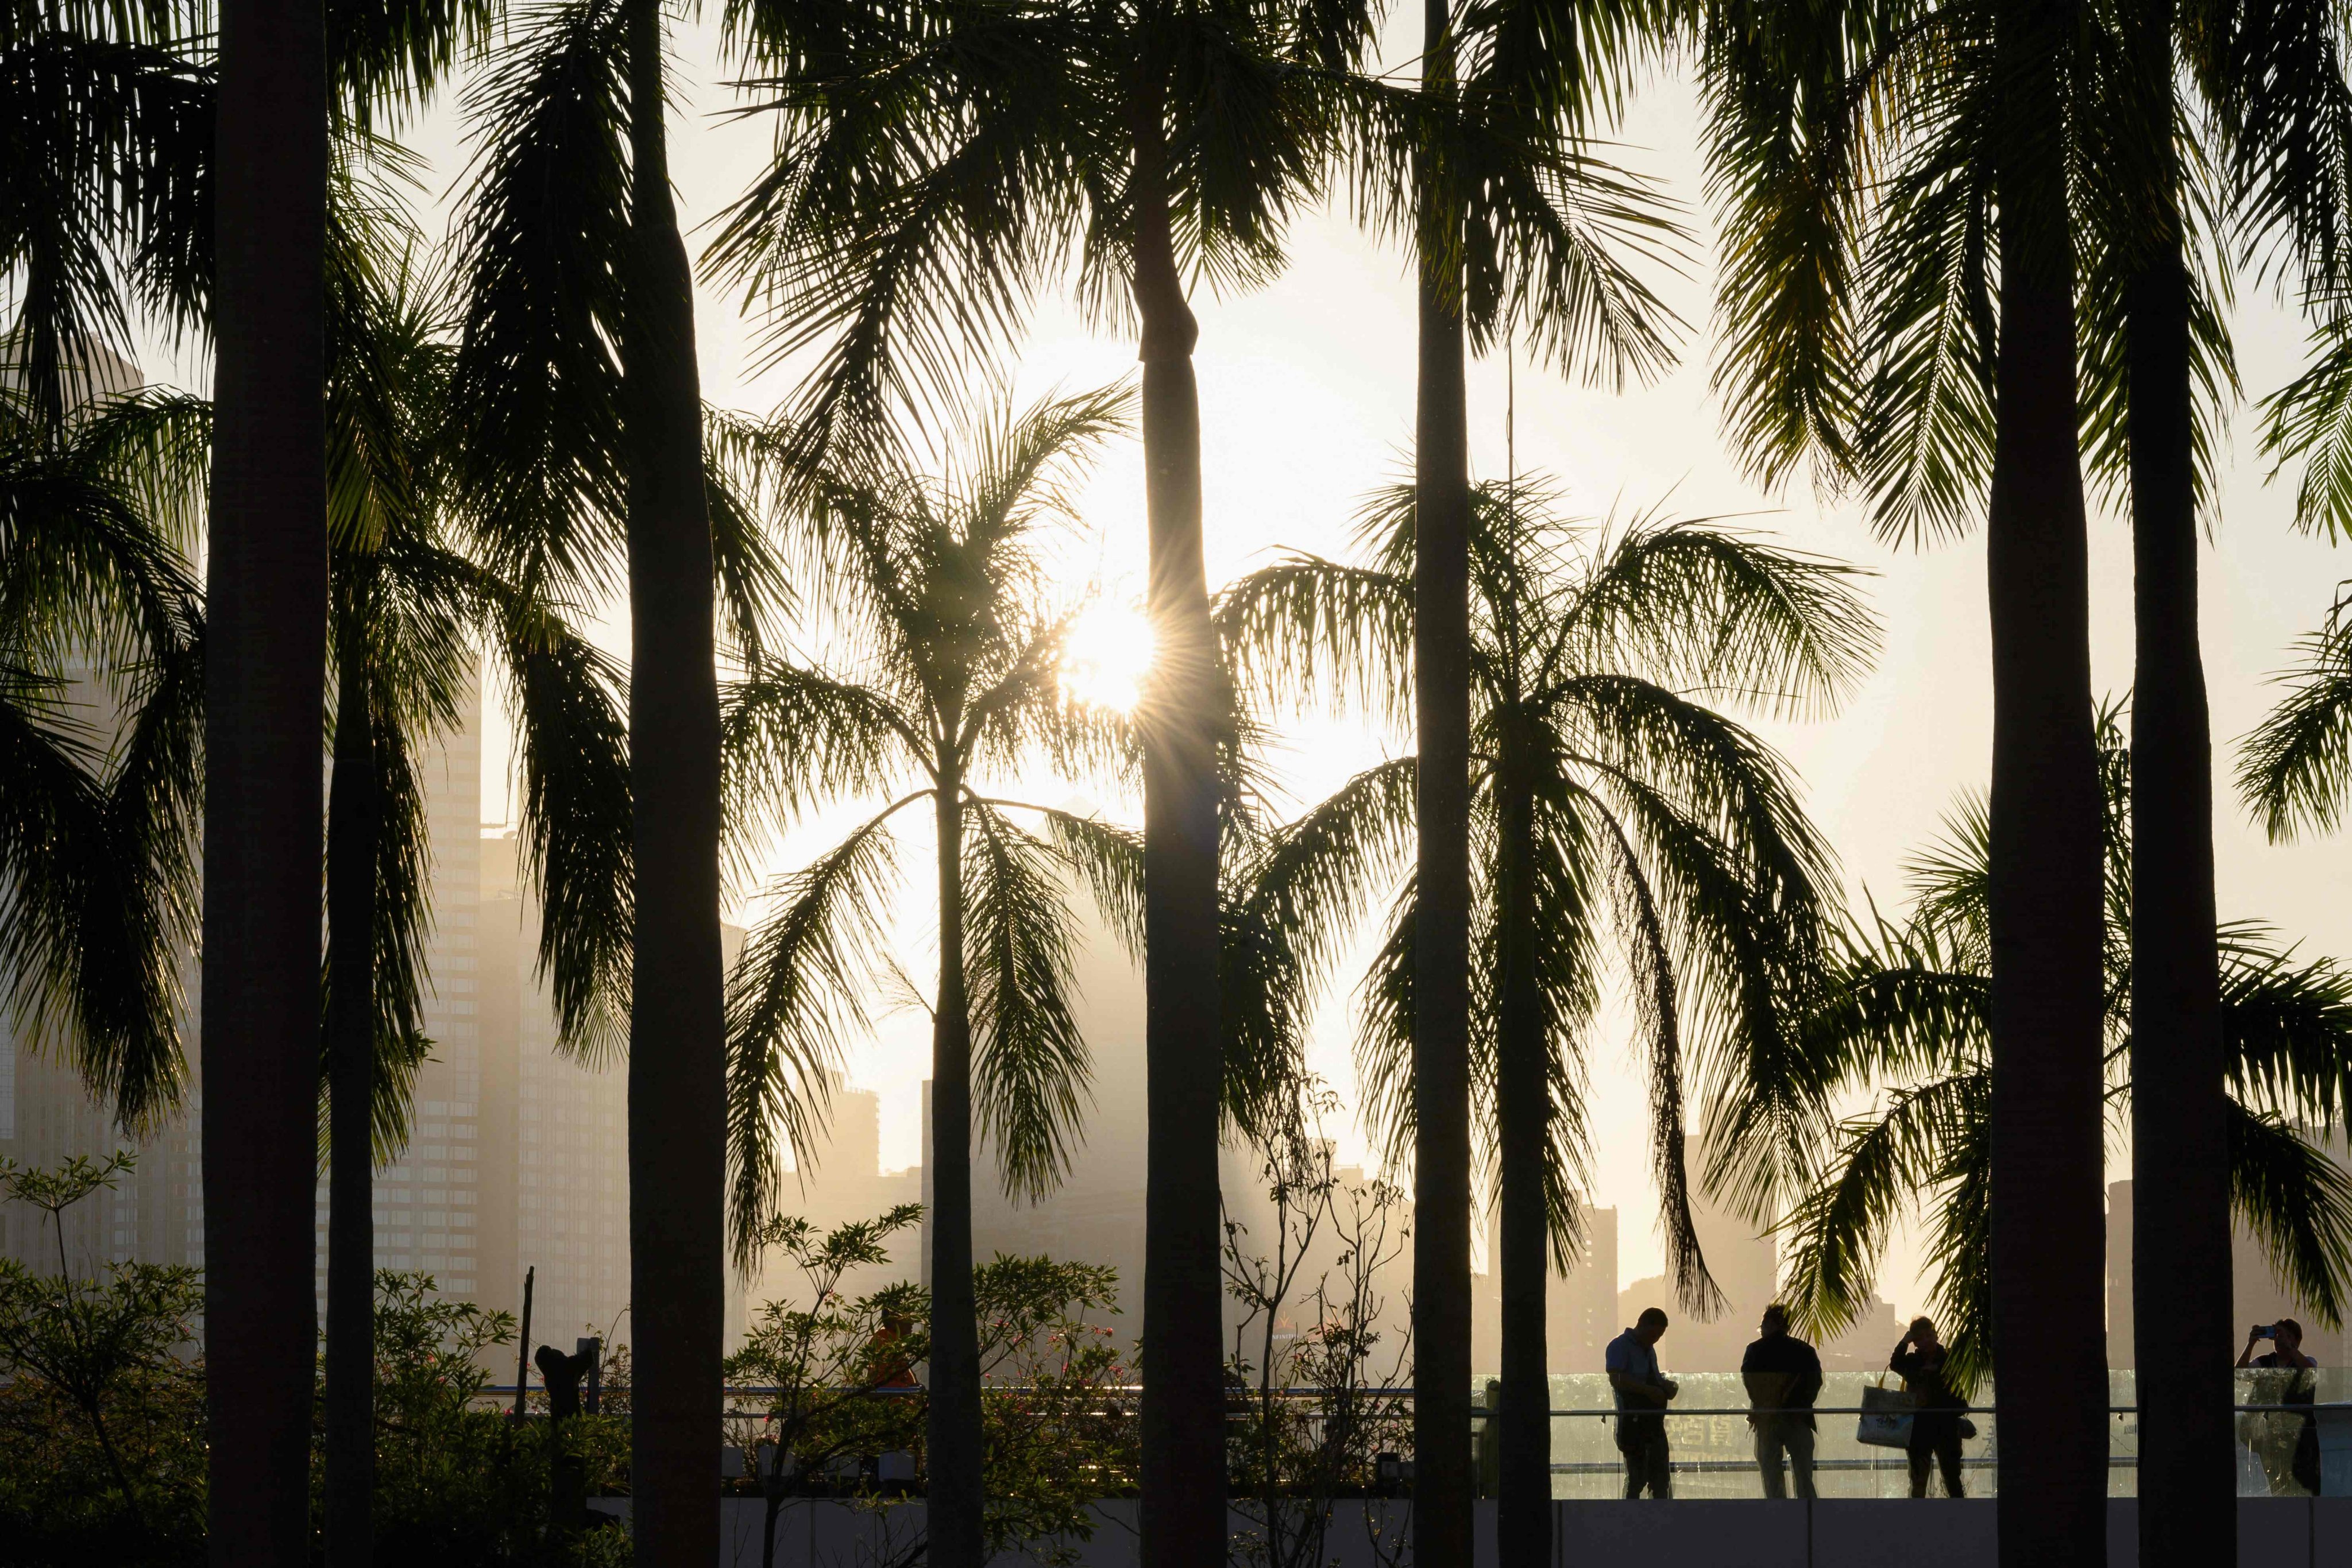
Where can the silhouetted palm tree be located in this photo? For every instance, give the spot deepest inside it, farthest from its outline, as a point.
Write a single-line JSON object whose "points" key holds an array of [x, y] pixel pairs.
{"points": [[1518, 229], [1612, 809], [1906, 1016], [409, 616], [936, 165], [1900, 300], [943, 667], [577, 389]]}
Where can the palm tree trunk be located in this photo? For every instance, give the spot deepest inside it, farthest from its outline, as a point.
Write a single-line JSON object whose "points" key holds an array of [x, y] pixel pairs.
{"points": [[953, 1431], [1444, 1480], [1184, 1415], [2048, 1219], [2180, 1253], [351, 828], [1523, 1105], [676, 1032], [265, 694]]}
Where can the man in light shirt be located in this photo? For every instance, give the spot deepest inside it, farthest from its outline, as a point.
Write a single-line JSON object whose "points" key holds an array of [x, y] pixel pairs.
{"points": [[1641, 1392]]}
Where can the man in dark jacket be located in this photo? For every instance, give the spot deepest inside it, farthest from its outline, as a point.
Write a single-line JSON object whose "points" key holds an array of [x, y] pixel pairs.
{"points": [[1783, 1377]]}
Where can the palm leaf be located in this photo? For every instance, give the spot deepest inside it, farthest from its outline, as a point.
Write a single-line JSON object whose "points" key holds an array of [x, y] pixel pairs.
{"points": [[1029, 1068]]}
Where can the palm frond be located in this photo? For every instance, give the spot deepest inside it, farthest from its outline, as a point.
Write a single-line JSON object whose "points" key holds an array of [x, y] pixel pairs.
{"points": [[571, 751], [2287, 1029], [1658, 1005], [1305, 630], [2297, 1201], [1383, 1038], [1029, 1071], [794, 737], [2294, 769], [2309, 420], [1688, 602], [1880, 1165], [106, 199], [541, 243], [795, 1001]]}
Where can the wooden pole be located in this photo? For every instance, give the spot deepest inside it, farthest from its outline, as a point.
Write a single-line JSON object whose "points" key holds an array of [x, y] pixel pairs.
{"points": [[523, 1348]]}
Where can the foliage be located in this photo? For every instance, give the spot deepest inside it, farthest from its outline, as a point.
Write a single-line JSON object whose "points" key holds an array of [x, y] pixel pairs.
{"points": [[1058, 1433], [943, 667], [458, 1481], [101, 1417], [1906, 1016], [1663, 833], [1314, 1416]]}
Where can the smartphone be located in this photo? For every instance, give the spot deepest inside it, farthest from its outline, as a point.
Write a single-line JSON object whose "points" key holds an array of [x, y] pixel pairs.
{"points": [[2265, 1330]]}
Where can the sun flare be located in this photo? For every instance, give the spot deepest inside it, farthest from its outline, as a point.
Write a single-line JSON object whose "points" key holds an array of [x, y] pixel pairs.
{"points": [[1108, 656]]}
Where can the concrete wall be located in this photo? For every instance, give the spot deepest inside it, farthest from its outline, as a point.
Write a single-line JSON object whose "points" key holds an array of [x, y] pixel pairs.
{"points": [[2272, 1532]]}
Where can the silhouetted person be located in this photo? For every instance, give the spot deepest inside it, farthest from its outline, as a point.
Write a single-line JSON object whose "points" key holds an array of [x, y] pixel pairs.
{"points": [[567, 1478], [1783, 1377], [2289, 1444], [1643, 1394], [1919, 1359]]}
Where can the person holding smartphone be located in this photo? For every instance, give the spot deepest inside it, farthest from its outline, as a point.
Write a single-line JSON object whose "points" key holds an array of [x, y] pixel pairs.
{"points": [[2290, 1447], [1919, 1360]]}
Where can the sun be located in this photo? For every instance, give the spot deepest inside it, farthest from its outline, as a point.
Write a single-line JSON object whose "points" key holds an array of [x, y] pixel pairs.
{"points": [[1108, 656]]}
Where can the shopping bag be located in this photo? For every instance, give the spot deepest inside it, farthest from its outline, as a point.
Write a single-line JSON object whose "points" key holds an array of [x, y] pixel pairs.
{"points": [[1886, 1416]]}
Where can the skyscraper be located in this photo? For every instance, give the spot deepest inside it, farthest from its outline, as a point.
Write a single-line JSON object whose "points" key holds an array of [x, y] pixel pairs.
{"points": [[518, 1156]]}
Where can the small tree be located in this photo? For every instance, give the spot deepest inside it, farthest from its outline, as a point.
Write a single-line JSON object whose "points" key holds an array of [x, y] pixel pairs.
{"points": [[1054, 1436], [101, 1354], [829, 1361], [1314, 1418]]}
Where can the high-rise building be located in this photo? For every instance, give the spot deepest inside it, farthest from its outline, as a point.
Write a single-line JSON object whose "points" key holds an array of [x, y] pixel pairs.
{"points": [[2256, 1293], [518, 1155], [843, 1181], [1579, 1306], [1746, 1268], [155, 1214], [432, 1200]]}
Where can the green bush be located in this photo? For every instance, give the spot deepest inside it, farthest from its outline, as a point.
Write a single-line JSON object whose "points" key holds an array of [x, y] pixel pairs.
{"points": [[458, 1483], [102, 1415]]}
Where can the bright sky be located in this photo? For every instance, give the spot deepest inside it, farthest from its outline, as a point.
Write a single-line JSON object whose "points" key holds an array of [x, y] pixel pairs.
{"points": [[1306, 394]]}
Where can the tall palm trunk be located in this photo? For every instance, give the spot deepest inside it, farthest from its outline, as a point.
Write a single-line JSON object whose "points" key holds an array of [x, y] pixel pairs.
{"points": [[2180, 1252], [264, 694], [1443, 1477], [2048, 1225], [1523, 1104], [1183, 1459], [677, 1033], [354, 808], [952, 1430]]}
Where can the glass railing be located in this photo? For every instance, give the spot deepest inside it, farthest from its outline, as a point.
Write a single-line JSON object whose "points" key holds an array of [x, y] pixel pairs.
{"points": [[1711, 1445]]}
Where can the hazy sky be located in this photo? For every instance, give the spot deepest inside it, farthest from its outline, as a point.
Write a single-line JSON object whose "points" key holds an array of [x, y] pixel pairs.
{"points": [[1306, 401]]}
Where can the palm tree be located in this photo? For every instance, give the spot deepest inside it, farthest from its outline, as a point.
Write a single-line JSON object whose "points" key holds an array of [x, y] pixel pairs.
{"points": [[267, 595], [1612, 809], [936, 164], [133, 147], [1906, 1016], [1926, 150], [577, 391], [945, 670], [407, 615], [1517, 227], [2183, 1132], [2257, 93], [112, 201]]}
